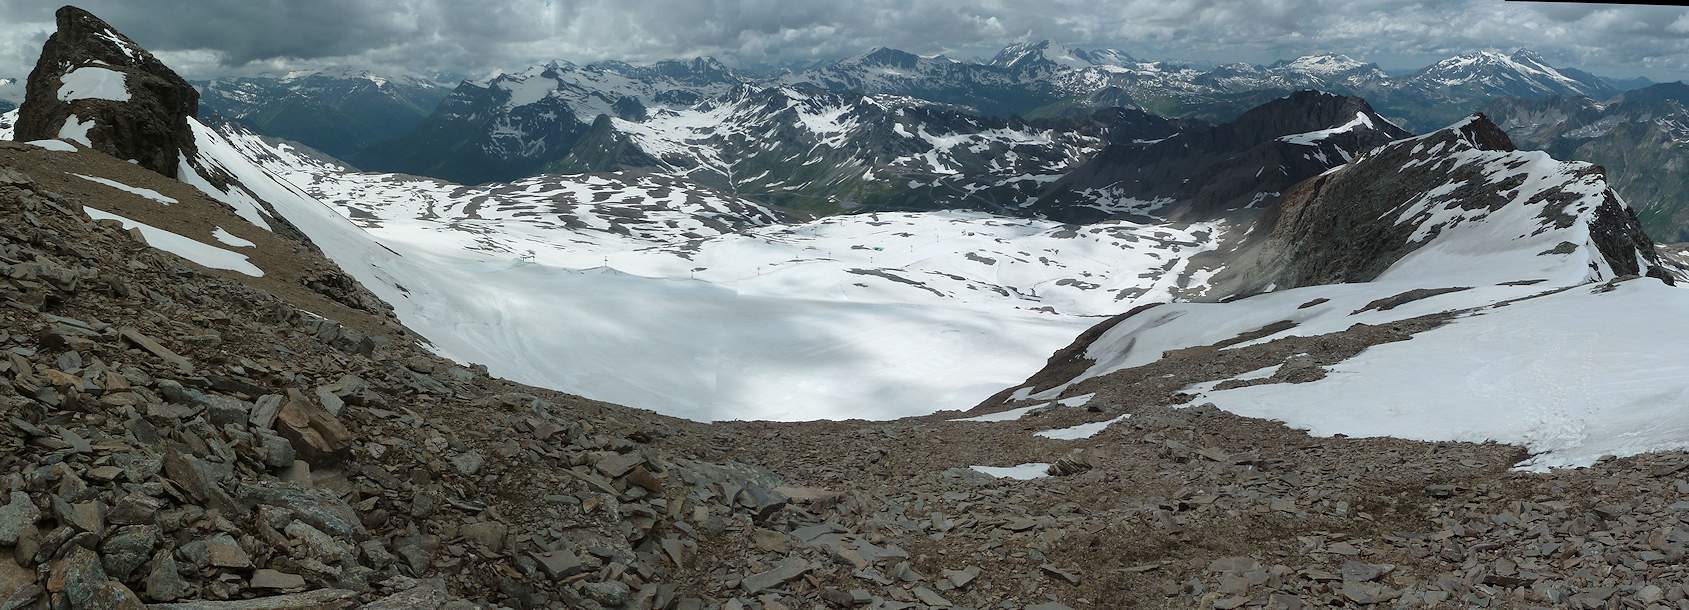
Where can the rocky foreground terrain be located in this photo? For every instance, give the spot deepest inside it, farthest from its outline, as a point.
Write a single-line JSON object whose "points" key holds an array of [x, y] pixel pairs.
{"points": [[179, 437], [182, 436]]}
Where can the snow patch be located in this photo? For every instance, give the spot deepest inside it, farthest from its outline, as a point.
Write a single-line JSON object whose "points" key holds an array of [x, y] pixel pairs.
{"points": [[145, 193], [231, 239], [94, 83], [201, 253], [76, 130], [1021, 472], [53, 145], [1081, 431]]}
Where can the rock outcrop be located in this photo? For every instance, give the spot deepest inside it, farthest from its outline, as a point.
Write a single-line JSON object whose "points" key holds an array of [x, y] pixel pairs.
{"points": [[1209, 170], [1352, 224], [95, 86]]}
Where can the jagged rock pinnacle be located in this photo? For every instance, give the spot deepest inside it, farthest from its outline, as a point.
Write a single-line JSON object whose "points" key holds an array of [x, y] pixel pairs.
{"points": [[96, 87]]}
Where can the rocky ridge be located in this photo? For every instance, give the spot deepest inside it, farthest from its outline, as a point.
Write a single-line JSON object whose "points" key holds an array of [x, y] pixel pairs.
{"points": [[1206, 171], [1640, 137], [97, 87]]}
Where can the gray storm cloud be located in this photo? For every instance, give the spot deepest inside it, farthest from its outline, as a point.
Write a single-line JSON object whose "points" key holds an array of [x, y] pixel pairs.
{"points": [[212, 37]]}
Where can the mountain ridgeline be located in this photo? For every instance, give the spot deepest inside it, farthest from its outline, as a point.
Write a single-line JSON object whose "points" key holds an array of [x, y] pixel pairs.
{"points": [[1641, 138], [526, 122]]}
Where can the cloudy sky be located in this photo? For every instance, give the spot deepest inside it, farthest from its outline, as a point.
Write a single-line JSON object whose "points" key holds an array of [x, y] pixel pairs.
{"points": [[473, 37]]}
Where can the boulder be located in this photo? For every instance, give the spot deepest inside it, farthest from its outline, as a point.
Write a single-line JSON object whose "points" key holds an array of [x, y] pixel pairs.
{"points": [[317, 436]]}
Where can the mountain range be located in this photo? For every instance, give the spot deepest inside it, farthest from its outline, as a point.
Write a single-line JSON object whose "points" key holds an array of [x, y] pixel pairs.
{"points": [[1299, 357], [514, 124], [340, 113]]}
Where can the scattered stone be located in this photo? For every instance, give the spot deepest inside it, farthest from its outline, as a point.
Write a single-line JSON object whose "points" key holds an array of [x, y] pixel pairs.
{"points": [[788, 569], [274, 580]]}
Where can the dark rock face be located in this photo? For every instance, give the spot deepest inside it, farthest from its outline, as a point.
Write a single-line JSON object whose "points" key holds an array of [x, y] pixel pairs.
{"points": [[1348, 226], [1211, 169], [1641, 138], [150, 126]]}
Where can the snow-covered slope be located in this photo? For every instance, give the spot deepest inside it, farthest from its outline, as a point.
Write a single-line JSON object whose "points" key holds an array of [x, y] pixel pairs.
{"points": [[1491, 73], [1025, 55], [8, 119], [1454, 220], [644, 291], [1573, 376]]}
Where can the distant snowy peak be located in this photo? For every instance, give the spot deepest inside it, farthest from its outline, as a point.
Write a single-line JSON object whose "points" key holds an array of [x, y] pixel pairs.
{"points": [[1491, 72], [1325, 65], [1026, 55], [378, 79], [1326, 72], [11, 91], [616, 88], [885, 56]]}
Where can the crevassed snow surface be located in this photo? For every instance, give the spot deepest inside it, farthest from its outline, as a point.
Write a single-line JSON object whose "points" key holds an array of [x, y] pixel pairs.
{"points": [[94, 83], [638, 291], [143, 192], [204, 254]]}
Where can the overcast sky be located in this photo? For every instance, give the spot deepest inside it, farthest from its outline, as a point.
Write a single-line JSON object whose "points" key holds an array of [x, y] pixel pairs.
{"points": [[202, 38]]}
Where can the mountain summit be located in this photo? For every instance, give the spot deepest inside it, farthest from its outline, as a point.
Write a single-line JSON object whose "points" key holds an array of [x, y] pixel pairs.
{"points": [[95, 86]]}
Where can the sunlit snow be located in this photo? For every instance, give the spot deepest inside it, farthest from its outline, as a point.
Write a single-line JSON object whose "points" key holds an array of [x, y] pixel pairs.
{"points": [[94, 82], [135, 190], [204, 254]]}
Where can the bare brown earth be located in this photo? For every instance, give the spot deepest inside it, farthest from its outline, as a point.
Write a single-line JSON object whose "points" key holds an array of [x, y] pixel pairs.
{"points": [[141, 465]]}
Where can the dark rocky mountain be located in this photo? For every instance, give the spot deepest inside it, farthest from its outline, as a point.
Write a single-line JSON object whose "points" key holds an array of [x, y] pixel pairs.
{"points": [[1352, 224], [1626, 84], [95, 86], [828, 152], [512, 125], [338, 113], [1204, 171], [1641, 137]]}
